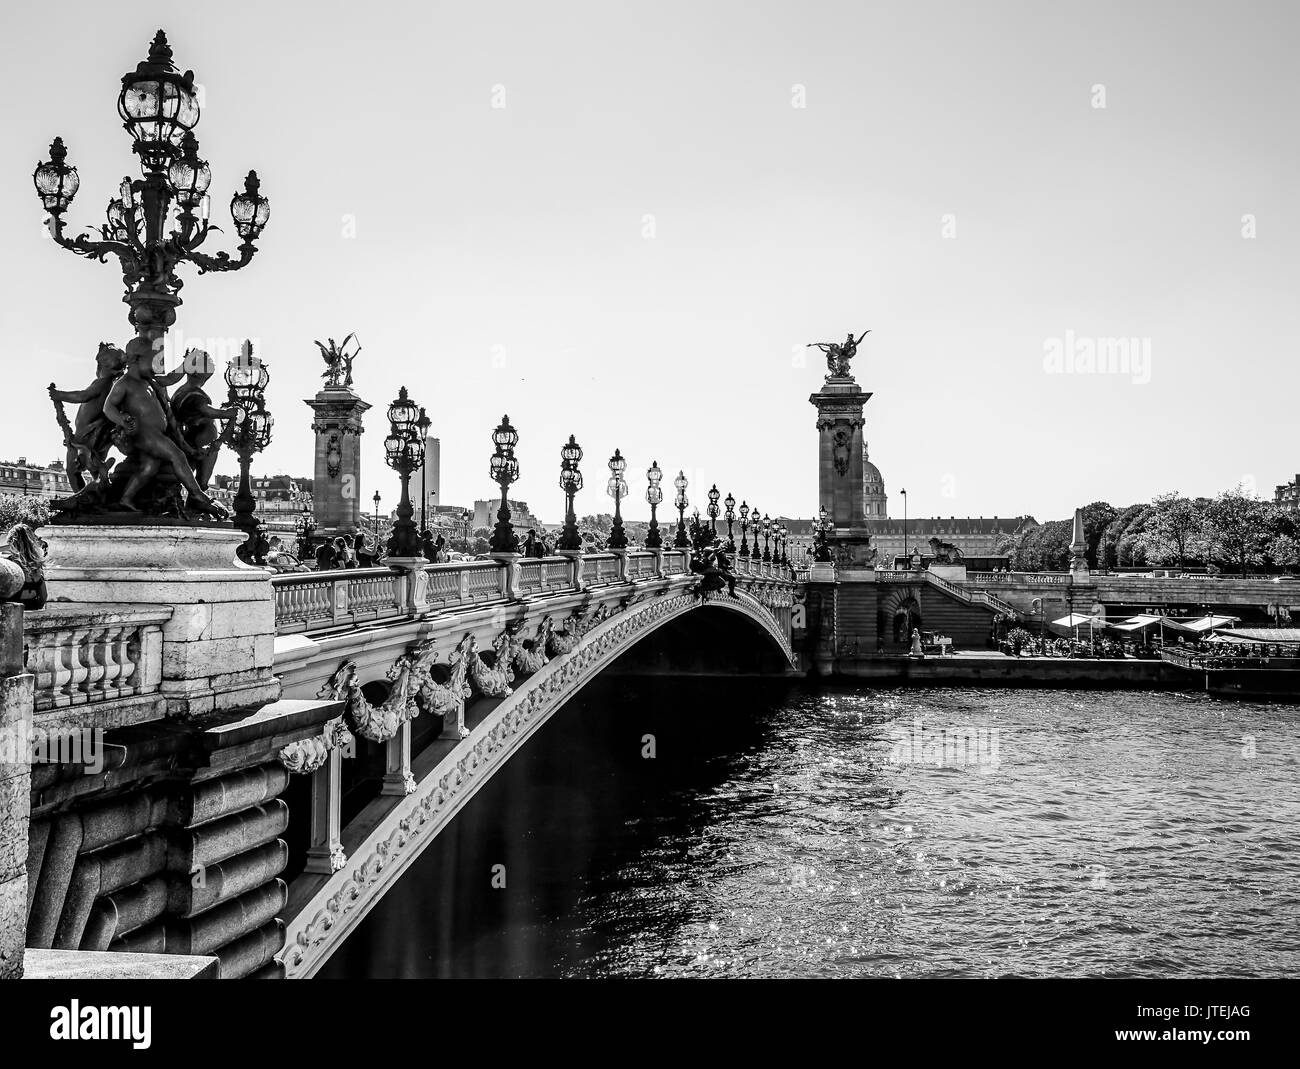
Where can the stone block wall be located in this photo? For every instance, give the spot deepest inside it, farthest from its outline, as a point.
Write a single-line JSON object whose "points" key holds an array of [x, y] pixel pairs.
{"points": [[16, 695]]}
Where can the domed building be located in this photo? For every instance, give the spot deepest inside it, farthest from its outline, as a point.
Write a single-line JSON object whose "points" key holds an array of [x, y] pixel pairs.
{"points": [[874, 500]]}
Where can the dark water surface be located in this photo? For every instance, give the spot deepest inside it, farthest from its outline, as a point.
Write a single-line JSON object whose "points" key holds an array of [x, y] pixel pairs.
{"points": [[799, 832]]}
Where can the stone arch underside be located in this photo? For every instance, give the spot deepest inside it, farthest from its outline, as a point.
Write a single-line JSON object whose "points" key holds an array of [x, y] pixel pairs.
{"points": [[377, 862]]}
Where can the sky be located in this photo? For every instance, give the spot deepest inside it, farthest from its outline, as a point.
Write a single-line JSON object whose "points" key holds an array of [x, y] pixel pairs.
{"points": [[624, 222]]}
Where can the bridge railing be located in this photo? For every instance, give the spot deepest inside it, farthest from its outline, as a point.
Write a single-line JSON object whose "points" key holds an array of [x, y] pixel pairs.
{"points": [[81, 658], [313, 601], [308, 600], [1019, 578]]}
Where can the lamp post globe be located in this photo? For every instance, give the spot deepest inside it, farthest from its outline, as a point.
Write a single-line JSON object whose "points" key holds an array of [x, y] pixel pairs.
{"points": [[570, 482], [654, 495], [246, 381], [404, 452], [617, 489], [680, 501], [504, 469]]}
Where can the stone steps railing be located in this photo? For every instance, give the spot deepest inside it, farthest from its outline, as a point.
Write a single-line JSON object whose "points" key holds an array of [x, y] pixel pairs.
{"points": [[317, 601], [1019, 578], [82, 658]]}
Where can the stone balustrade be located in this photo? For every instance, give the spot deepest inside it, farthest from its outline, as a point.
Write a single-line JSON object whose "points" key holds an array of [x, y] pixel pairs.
{"points": [[87, 656], [319, 601]]}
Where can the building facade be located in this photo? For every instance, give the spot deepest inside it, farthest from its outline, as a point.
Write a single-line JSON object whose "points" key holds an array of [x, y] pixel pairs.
{"points": [[24, 479], [1287, 495], [280, 498]]}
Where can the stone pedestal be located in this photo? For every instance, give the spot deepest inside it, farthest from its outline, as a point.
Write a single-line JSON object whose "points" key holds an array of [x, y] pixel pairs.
{"points": [[16, 695], [336, 491], [840, 490], [218, 643]]}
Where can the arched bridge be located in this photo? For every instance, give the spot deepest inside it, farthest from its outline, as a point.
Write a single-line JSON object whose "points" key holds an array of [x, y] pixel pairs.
{"points": [[444, 671]]}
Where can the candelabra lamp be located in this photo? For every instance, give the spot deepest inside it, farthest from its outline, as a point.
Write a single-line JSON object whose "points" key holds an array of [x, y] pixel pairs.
{"points": [[712, 508], [730, 516], [404, 453], [304, 527], [570, 483], [159, 221], [504, 469], [617, 489], [654, 495], [680, 501], [247, 378], [744, 530], [767, 539]]}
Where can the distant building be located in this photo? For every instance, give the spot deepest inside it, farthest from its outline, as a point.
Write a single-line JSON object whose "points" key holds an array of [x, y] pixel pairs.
{"points": [[33, 480], [280, 498], [974, 536], [1287, 495], [485, 514]]}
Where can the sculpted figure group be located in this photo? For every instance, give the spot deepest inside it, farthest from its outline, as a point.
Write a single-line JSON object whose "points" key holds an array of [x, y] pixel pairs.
{"points": [[169, 443]]}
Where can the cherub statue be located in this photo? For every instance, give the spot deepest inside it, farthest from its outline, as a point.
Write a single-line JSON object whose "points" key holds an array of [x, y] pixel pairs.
{"points": [[142, 417], [89, 441], [338, 361], [838, 355], [195, 415]]}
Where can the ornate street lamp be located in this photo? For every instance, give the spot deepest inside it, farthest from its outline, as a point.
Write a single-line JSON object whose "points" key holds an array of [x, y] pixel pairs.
{"points": [[730, 516], [712, 508], [159, 221], [504, 469], [247, 378], [617, 489], [821, 544], [404, 452], [570, 483], [424, 423], [376, 500], [785, 542], [305, 527], [744, 528], [680, 501], [767, 538], [654, 495]]}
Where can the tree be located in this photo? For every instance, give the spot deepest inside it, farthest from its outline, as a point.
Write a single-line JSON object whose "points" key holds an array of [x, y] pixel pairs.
{"points": [[480, 545], [18, 508], [1096, 518], [1284, 550], [1175, 528], [1237, 526]]}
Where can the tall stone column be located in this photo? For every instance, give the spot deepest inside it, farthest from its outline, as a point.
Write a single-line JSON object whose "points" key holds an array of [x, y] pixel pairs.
{"points": [[336, 492], [840, 492]]}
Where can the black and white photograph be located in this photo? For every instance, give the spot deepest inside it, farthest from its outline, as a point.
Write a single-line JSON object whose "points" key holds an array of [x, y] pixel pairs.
{"points": [[725, 495]]}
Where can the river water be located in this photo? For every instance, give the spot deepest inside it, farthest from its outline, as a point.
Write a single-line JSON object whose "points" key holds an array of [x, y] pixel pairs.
{"points": [[781, 832]]}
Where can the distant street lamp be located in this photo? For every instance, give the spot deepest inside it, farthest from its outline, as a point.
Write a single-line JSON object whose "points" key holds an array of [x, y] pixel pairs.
{"points": [[654, 495], [404, 452], [570, 483], [730, 516], [782, 534], [744, 528], [424, 423], [767, 538], [247, 378], [505, 470], [305, 527], [712, 508], [680, 501], [821, 537], [376, 499], [617, 489], [907, 550]]}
